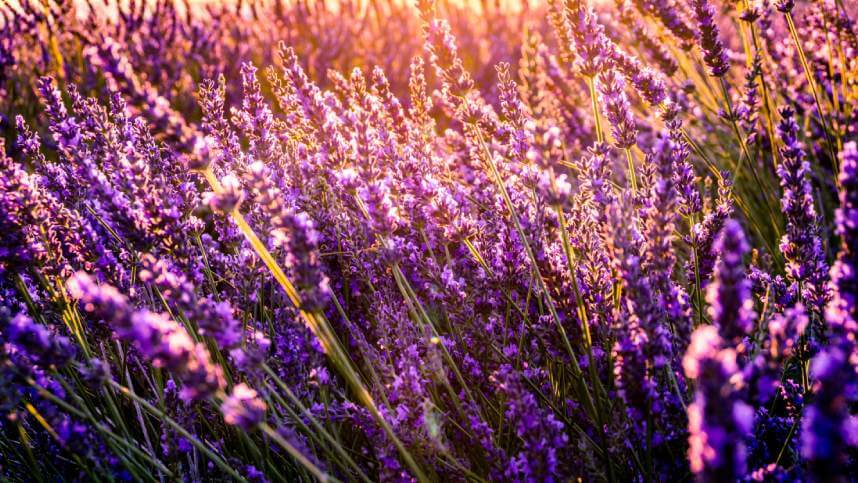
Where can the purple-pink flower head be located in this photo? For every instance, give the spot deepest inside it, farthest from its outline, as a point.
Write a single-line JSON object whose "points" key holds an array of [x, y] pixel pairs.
{"points": [[229, 197], [718, 420], [801, 244], [731, 307], [713, 50], [842, 311], [158, 337], [617, 109], [35, 340], [243, 407]]}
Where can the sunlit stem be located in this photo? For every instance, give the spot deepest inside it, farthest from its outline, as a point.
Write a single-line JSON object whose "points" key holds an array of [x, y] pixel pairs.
{"points": [[633, 179], [811, 83], [41, 420], [571, 261], [318, 326], [594, 101]]}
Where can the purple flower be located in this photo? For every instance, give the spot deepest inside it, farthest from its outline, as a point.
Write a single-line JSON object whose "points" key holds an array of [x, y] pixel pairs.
{"points": [[643, 344], [544, 441], [842, 311], [829, 431], [830, 427], [617, 109], [230, 196], [649, 84], [213, 319], [801, 245], [713, 49], [444, 55], [731, 307], [659, 217], [159, 338], [243, 408], [36, 341], [295, 232], [670, 15], [591, 44], [718, 421], [784, 332]]}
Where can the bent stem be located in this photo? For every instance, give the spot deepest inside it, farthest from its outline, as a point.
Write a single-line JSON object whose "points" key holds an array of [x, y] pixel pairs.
{"points": [[178, 428], [319, 326], [286, 445]]}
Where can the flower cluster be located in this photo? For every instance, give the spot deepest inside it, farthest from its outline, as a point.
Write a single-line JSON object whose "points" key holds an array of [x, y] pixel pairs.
{"points": [[483, 241]]}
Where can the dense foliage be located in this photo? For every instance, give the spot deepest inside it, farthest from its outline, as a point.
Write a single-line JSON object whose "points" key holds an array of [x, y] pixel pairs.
{"points": [[506, 242]]}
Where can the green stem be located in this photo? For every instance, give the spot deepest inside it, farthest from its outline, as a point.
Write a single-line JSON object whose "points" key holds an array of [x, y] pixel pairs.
{"points": [[316, 425], [633, 179], [594, 102], [286, 445], [217, 460], [317, 323], [549, 300]]}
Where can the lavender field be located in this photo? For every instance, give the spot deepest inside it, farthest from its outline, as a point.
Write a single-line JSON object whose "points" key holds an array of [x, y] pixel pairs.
{"points": [[381, 240]]}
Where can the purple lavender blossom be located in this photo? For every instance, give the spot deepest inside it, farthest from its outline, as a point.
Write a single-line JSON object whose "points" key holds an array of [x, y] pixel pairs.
{"points": [[731, 307], [830, 427], [617, 109], [543, 437], [801, 245], [591, 44], [443, 54], [36, 341], [784, 332], [710, 44], [296, 234], [156, 336], [718, 422], [494, 302], [671, 16], [829, 432], [842, 311], [230, 196], [705, 233], [214, 319], [243, 407]]}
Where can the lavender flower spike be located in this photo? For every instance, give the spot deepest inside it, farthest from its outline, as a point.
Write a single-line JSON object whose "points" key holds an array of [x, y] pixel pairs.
{"points": [[243, 408], [718, 421], [801, 244], [156, 336], [830, 427], [213, 319], [842, 311], [710, 44], [829, 432], [617, 109], [731, 307]]}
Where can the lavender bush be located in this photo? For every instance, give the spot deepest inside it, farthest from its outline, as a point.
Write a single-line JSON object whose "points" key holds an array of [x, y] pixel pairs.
{"points": [[394, 241]]}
